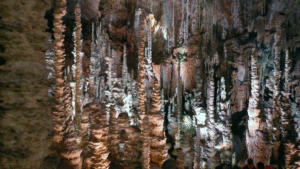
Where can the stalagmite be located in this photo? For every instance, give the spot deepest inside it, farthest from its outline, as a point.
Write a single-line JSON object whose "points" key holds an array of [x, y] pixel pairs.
{"points": [[141, 74], [211, 139], [99, 136], [258, 148], [125, 150], [113, 137], [145, 137], [225, 117], [70, 150], [158, 151], [78, 71], [198, 108], [58, 112], [290, 151], [84, 126], [180, 159], [276, 96], [130, 152], [65, 137]]}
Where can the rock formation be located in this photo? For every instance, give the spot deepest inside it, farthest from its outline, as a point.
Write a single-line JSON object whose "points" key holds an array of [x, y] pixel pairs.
{"points": [[99, 137]]}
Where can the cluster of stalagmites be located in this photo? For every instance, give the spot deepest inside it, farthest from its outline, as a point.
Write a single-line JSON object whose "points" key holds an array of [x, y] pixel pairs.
{"points": [[65, 136], [117, 143]]}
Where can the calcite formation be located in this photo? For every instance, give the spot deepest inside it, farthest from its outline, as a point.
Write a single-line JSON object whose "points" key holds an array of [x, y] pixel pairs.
{"points": [[143, 84]]}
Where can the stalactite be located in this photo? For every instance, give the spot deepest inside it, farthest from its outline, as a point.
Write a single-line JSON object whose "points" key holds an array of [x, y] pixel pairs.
{"points": [[198, 108], [148, 50], [99, 52], [124, 69], [109, 72], [78, 71], [261, 22], [99, 136], [173, 23], [277, 72], [237, 23], [287, 71], [93, 63], [195, 18], [137, 22], [181, 29], [186, 24]]}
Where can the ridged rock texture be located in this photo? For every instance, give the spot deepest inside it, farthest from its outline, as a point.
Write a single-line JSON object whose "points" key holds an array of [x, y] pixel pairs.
{"points": [[212, 135], [130, 137], [141, 72], [78, 69], [26, 122], [145, 138], [158, 149], [65, 137], [99, 137]]}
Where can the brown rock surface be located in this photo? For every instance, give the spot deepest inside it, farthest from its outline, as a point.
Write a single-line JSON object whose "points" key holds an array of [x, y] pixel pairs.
{"points": [[26, 123]]}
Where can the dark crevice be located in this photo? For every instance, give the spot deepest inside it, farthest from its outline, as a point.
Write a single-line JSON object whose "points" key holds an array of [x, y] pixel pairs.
{"points": [[2, 49], [49, 16], [2, 61]]}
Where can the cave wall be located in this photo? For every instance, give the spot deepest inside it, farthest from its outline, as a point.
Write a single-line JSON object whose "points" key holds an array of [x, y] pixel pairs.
{"points": [[26, 124]]}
